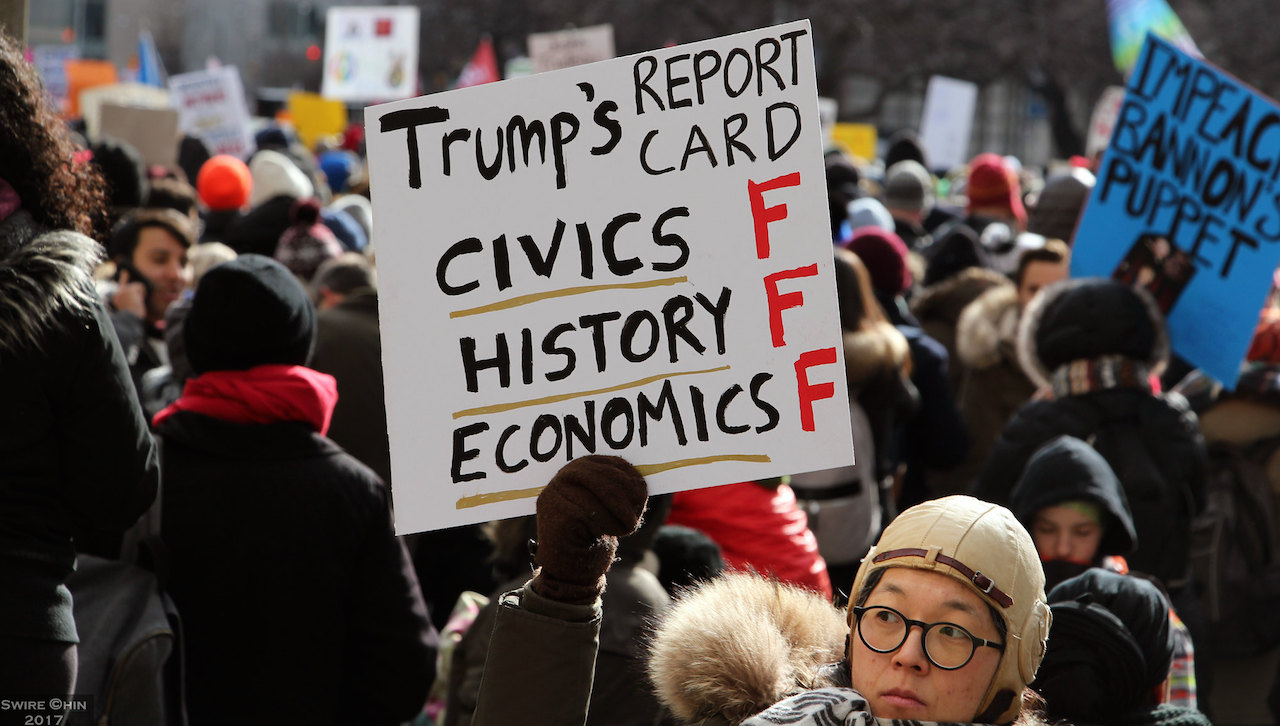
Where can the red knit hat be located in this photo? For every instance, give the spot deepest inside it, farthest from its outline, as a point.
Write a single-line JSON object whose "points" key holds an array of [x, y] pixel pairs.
{"points": [[224, 182], [885, 256], [993, 184]]}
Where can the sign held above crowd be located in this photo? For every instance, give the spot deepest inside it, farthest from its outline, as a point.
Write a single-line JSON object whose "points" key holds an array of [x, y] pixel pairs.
{"points": [[1186, 203], [630, 257], [370, 53]]}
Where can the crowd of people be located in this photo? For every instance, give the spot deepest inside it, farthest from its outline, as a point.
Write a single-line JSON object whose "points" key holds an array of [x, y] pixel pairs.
{"points": [[1019, 540]]}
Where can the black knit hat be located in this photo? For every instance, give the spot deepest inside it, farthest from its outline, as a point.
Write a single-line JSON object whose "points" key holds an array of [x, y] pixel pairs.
{"points": [[248, 312], [1112, 644], [1090, 318]]}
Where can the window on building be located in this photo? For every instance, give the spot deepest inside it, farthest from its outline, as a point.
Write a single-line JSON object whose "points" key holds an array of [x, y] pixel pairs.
{"points": [[291, 19]]}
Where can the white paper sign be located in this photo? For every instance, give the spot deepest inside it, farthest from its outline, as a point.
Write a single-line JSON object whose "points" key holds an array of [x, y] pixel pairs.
{"points": [[631, 257], [1103, 120], [370, 53], [947, 121], [569, 48], [211, 106]]}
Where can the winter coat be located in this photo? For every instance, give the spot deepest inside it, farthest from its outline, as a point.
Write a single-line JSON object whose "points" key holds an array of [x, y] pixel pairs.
{"points": [[141, 342], [938, 308], [1096, 343], [1153, 444], [299, 604], [993, 386], [759, 528], [348, 347], [844, 505], [539, 667], [77, 463], [619, 696]]}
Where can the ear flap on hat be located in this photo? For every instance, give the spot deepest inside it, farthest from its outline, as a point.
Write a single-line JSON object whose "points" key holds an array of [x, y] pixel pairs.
{"points": [[1035, 640]]}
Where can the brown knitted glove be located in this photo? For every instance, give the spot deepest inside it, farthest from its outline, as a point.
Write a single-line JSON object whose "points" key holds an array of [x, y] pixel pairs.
{"points": [[589, 504]]}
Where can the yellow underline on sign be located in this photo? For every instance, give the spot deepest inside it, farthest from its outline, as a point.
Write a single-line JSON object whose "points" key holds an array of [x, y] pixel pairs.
{"points": [[648, 469], [479, 500], [516, 302], [500, 407]]}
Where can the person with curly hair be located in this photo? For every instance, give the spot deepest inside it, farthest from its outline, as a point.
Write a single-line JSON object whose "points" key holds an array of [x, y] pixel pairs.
{"points": [[77, 463]]}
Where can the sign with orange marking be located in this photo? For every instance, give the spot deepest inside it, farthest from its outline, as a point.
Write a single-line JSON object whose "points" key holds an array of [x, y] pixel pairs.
{"points": [[630, 257]]}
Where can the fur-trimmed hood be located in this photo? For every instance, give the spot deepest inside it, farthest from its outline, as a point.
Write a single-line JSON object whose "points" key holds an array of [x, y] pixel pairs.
{"points": [[739, 644], [1086, 319], [988, 330], [44, 277], [947, 299], [873, 351]]}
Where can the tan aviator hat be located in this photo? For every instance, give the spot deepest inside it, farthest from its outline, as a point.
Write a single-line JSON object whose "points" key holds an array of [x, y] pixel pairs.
{"points": [[984, 546]]}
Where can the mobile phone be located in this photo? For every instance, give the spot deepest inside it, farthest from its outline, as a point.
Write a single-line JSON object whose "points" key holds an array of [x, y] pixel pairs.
{"points": [[123, 265]]}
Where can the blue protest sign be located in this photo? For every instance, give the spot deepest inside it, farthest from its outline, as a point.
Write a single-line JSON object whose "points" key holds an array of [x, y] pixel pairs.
{"points": [[1187, 204]]}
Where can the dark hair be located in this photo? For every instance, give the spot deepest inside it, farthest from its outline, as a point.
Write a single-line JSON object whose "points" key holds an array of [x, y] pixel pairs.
{"points": [[343, 275], [1054, 251], [173, 193], [124, 238], [37, 155]]}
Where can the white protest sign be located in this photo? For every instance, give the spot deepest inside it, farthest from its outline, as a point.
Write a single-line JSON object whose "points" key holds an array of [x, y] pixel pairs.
{"points": [[370, 53], [569, 48], [1103, 120], [211, 106], [631, 257], [947, 121]]}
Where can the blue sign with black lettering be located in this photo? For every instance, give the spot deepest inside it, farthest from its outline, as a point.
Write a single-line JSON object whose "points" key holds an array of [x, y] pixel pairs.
{"points": [[1187, 204]]}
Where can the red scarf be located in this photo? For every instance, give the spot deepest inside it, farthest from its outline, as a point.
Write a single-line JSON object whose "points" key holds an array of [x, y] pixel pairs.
{"points": [[263, 394]]}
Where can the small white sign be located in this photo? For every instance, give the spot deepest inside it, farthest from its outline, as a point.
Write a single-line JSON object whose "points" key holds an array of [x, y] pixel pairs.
{"points": [[211, 106], [947, 121], [370, 53], [1103, 120], [631, 257], [569, 48]]}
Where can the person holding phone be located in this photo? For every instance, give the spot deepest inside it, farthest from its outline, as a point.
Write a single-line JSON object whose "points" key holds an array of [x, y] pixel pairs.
{"points": [[149, 248]]}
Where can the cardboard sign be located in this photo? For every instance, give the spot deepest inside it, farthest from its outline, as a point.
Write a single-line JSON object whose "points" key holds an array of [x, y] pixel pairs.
{"points": [[83, 75], [152, 131], [630, 257], [569, 48], [370, 53], [1186, 203], [947, 121], [120, 94], [211, 106], [315, 116], [858, 139]]}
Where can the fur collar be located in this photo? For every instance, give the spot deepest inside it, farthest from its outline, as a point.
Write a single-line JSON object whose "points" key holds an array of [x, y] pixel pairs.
{"points": [[988, 330], [947, 298], [45, 276], [1029, 326], [739, 644], [873, 351]]}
